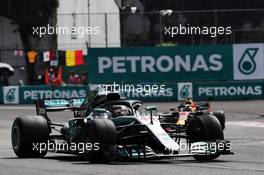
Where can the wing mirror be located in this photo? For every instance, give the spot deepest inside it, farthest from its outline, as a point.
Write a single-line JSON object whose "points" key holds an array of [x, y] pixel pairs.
{"points": [[150, 109]]}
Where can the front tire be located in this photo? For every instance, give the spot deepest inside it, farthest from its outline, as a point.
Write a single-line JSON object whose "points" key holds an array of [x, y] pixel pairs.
{"points": [[204, 128], [103, 133], [26, 132]]}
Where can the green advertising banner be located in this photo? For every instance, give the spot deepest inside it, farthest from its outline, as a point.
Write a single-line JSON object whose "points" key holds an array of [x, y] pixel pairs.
{"points": [[168, 93], [141, 91], [228, 90], [160, 64], [165, 92], [28, 94]]}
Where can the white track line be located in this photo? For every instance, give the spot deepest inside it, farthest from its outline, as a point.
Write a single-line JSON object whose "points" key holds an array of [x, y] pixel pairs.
{"points": [[247, 123]]}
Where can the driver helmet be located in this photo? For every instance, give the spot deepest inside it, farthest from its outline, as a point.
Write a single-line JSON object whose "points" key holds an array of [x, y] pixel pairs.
{"points": [[119, 110], [190, 103]]}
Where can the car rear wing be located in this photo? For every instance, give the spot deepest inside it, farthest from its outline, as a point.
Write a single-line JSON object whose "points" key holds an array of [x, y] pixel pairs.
{"points": [[198, 106], [49, 105]]}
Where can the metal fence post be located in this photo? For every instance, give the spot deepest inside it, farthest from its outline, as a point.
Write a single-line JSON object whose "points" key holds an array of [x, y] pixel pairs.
{"points": [[89, 22], [160, 27], [106, 30]]}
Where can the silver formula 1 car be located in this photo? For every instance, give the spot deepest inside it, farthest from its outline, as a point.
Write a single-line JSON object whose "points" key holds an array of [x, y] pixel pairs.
{"points": [[109, 128]]}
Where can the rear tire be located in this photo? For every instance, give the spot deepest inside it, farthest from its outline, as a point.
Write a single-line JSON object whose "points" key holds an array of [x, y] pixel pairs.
{"points": [[26, 131], [220, 115], [101, 131], [204, 128]]}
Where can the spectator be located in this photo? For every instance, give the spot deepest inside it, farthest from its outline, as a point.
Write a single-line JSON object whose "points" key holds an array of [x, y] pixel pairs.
{"points": [[53, 77], [77, 79], [57, 80], [84, 80], [71, 79]]}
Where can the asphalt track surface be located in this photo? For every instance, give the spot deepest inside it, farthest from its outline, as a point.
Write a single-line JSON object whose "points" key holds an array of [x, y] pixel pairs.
{"points": [[245, 129]]}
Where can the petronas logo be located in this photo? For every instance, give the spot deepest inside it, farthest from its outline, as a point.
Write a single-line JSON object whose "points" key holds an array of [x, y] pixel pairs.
{"points": [[10, 96], [247, 64], [184, 93]]}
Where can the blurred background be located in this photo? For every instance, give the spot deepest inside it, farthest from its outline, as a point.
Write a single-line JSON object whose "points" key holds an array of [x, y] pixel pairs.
{"points": [[122, 23]]}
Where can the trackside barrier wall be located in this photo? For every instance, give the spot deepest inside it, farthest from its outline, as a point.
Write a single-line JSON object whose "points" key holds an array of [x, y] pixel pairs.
{"points": [[228, 91], [202, 91], [199, 91], [145, 91], [204, 72], [28, 94]]}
